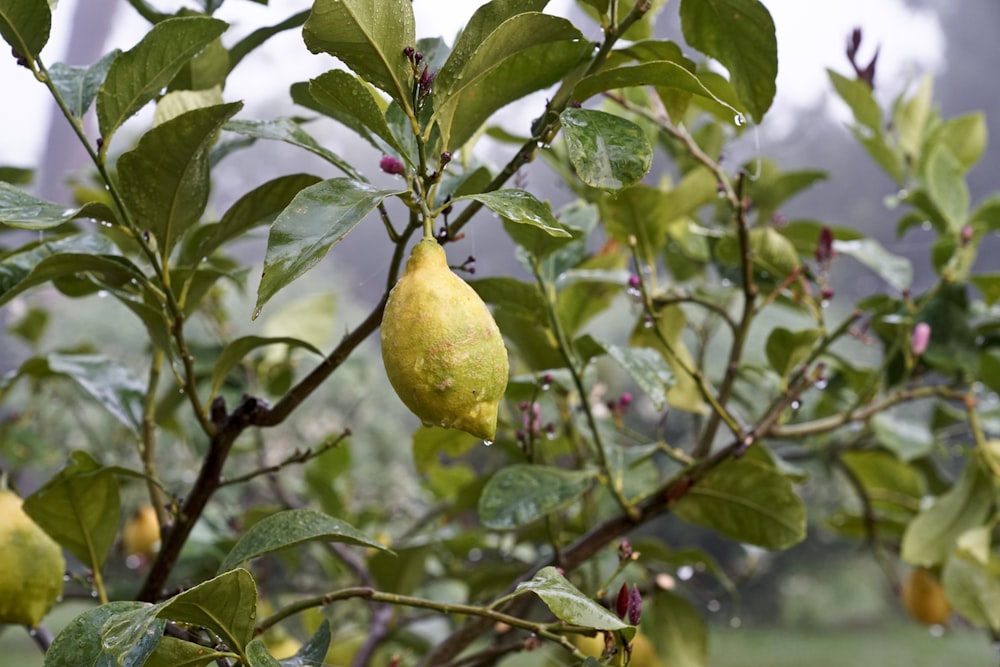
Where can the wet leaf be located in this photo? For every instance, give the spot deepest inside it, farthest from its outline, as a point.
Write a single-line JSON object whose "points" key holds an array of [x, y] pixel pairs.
{"points": [[235, 350], [907, 436], [677, 631], [226, 605], [568, 603], [172, 652], [894, 269], [25, 25], [79, 507], [787, 349], [21, 210], [607, 151], [346, 98], [81, 642], [258, 656], [520, 494], [290, 528], [78, 86], [289, 131]]}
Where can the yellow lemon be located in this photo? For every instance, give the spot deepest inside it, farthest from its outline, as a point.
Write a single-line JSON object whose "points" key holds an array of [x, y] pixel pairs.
{"points": [[643, 653], [141, 534], [924, 598], [31, 566], [441, 347]]}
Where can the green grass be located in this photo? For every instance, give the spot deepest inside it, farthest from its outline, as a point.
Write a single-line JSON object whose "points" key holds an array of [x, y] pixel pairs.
{"points": [[890, 646]]}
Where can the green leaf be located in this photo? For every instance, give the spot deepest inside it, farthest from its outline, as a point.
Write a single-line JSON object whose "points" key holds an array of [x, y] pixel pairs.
{"points": [[989, 285], [132, 636], [677, 631], [787, 349], [528, 221], [568, 603], [313, 652], [644, 365], [369, 38], [740, 35], [78, 86], [81, 642], [21, 210], [910, 118], [973, 588], [172, 652], [520, 494], [858, 96], [907, 436], [25, 25], [245, 46], [520, 297], [41, 263], [258, 655], [964, 137], [258, 207], [607, 151], [164, 180], [289, 131], [890, 483], [525, 53], [947, 188], [894, 269], [318, 218], [663, 74], [138, 75], [933, 534], [290, 528], [226, 605], [235, 350], [431, 442], [748, 500], [670, 325], [109, 382], [79, 507], [344, 97]]}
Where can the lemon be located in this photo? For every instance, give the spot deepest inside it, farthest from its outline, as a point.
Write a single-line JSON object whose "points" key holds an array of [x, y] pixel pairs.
{"points": [[141, 534], [31, 566], [924, 598], [643, 653], [441, 347]]}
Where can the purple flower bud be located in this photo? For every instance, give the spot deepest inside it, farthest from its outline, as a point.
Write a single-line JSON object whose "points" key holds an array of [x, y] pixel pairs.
{"points": [[625, 400], [921, 337], [523, 406], [624, 550], [634, 605], [634, 282], [621, 602], [445, 158], [408, 52], [967, 233], [826, 294], [824, 246], [391, 165]]}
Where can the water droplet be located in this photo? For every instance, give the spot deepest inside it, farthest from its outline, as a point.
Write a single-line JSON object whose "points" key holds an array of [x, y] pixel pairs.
{"points": [[33, 632], [102, 294], [545, 386], [740, 120], [550, 435], [133, 562], [796, 405], [825, 303], [475, 555], [726, 282], [714, 606], [648, 323], [735, 622], [936, 630], [256, 313], [821, 384], [926, 225], [93, 594], [487, 442], [634, 293], [685, 572]]}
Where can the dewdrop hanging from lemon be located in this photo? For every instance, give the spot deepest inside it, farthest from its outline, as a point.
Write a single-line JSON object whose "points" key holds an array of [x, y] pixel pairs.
{"points": [[441, 347]]}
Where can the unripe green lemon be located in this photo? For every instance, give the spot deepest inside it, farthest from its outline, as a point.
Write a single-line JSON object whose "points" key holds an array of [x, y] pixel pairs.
{"points": [[441, 347], [31, 566]]}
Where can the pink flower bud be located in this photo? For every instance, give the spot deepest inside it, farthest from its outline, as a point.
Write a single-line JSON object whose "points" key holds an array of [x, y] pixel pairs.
{"points": [[621, 602], [921, 337], [967, 233], [634, 605], [391, 165]]}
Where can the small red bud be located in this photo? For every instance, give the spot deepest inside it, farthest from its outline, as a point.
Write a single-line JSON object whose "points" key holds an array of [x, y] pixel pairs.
{"points": [[445, 158], [625, 400], [621, 601], [391, 165], [826, 294], [634, 282]]}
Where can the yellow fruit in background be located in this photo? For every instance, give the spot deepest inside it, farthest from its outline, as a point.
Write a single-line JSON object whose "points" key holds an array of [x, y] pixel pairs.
{"points": [[31, 566], [141, 535], [924, 598], [441, 347], [643, 653], [282, 648]]}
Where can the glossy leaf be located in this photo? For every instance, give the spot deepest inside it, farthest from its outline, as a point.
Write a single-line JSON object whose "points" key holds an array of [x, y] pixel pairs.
{"points": [[740, 35], [79, 507], [889, 481], [679, 633], [172, 652], [787, 349], [290, 528], [521, 207], [81, 642], [25, 25], [78, 86], [245, 46], [318, 218], [858, 96], [518, 296], [933, 534], [658, 73], [164, 180], [132, 636], [748, 500], [525, 53], [290, 132], [138, 75], [235, 350], [607, 151], [24, 211], [894, 269], [346, 98], [520, 494], [644, 365], [109, 382], [947, 188], [258, 655], [667, 339], [33, 267], [568, 603], [256, 208], [226, 605], [313, 652], [973, 588], [369, 38]]}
